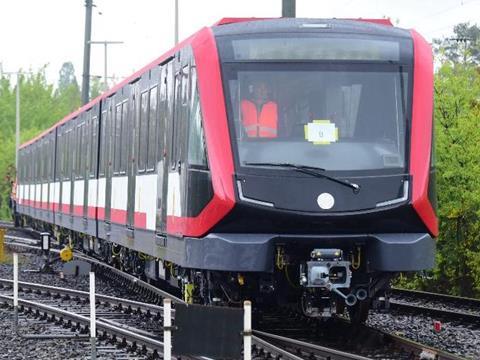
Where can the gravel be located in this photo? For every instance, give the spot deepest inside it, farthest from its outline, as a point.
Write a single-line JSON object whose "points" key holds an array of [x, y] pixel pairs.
{"points": [[456, 338], [14, 347], [449, 305]]}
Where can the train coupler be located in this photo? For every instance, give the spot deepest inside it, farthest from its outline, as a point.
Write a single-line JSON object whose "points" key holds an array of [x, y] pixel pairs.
{"points": [[326, 272]]}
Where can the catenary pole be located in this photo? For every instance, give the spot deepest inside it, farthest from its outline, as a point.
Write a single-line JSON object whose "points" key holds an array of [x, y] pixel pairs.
{"points": [[17, 121], [176, 22], [86, 52], [105, 43], [288, 8]]}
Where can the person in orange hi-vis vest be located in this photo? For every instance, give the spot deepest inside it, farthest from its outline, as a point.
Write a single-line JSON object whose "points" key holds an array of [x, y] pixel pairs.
{"points": [[260, 114]]}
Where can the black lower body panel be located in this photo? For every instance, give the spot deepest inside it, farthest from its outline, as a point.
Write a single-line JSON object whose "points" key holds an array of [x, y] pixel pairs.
{"points": [[255, 252]]}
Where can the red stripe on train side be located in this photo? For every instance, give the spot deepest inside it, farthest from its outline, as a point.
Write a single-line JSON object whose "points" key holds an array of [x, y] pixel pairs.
{"points": [[140, 220], [421, 138], [118, 216], [217, 137]]}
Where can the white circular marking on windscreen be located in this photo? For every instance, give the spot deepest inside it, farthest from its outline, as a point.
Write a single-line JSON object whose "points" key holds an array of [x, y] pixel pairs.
{"points": [[325, 201]]}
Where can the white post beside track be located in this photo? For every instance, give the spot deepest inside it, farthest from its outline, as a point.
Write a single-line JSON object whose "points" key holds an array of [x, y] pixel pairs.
{"points": [[167, 329], [247, 330], [15, 293], [93, 327], [15, 280]]}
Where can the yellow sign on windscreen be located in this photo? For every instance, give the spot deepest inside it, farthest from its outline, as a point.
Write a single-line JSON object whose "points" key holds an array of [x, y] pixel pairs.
{"points": [[321, 132]]}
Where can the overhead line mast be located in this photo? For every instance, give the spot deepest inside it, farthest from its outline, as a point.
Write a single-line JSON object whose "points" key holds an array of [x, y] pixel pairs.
{"points": [[288, 8], [86, 52]]}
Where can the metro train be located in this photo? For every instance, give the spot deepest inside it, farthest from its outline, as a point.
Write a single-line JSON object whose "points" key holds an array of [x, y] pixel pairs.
{"points": [[285, 161]]}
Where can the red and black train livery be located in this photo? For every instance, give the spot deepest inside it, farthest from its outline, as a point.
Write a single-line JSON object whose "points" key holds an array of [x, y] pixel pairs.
{"points": [[286, 159]]}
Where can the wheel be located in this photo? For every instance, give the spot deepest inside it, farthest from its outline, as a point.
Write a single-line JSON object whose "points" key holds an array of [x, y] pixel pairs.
{"points": [[359, 312]]}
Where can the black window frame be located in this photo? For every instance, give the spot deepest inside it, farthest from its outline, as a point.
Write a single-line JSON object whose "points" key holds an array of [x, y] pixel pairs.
{"points": [[142, 133], [231, 67], [103, 143], [152, 130]]}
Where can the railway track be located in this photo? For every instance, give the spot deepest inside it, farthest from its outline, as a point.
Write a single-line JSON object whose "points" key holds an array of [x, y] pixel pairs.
{"points": [[111, 311], [142, 342], [443, 306], [266, 343], [338, 333]]}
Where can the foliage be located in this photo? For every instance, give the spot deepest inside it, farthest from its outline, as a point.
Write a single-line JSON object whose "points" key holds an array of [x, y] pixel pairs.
{"points": [[40, 108], [463, 47], [96, 87], [457, 130], [68, 89]]}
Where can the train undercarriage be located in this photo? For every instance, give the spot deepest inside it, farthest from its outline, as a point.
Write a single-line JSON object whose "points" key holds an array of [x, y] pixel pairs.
{"points": [[319, 282]]}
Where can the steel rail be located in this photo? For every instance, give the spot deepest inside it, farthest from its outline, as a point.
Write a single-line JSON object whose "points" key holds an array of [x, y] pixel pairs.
{"points": [[273, 350], [444, 313], [435, 296], [100, 298], [148, 342], [323, 351], [114, 270], [129, 277], [418, 349], [405, 344]]}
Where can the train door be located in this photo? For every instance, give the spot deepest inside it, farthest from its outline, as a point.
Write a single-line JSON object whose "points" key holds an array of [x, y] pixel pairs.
{"points": [[165, 128], [133, 117]]}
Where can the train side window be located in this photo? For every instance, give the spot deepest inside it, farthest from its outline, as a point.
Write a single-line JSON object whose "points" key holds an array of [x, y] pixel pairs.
{"points": [[162, 111], [74, 138], [68, 153], [103, 147], [124, 138], [170, 78], [40, 157], [142, 151], [152, 130], [58, 157], [178, 119], [47, 160], [117, 139], [74, 144], [94, 146], [62, 154], [80, 148], [196, 141], [71, 153], [87, 144], [84, 149]]}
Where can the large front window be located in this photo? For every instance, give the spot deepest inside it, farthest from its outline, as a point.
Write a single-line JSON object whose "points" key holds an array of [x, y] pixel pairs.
{"points": [[333, 116]]}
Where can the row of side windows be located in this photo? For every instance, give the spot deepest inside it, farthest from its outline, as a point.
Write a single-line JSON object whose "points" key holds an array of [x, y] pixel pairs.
{"points": [[175, 99]]}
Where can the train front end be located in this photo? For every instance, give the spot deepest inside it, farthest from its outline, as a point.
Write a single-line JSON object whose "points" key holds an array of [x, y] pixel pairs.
{"points": [[331, 132]]}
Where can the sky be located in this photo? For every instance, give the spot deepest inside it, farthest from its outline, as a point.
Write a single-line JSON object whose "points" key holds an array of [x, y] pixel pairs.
{"points": [[35, 33]]}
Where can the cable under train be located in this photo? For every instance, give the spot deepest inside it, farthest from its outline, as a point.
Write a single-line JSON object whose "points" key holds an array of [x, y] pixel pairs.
{"points": [[285, 161]]}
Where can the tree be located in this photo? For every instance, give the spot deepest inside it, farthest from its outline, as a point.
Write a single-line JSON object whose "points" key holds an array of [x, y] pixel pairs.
{"points": [[457, 113], [463, 47], [67, 76], [41, 107], [68, 93], [96, 87]]}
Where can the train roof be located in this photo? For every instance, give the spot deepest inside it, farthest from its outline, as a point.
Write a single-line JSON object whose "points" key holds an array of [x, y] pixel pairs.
{"points": [[379, 27], [231, 26]]}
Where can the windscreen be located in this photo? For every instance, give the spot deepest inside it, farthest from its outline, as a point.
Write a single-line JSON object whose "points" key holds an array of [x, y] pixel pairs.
{"points": [[332, 116]]}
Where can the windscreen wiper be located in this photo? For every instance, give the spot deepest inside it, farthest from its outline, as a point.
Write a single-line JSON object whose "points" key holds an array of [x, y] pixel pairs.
{"points": [[310, 170]]}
